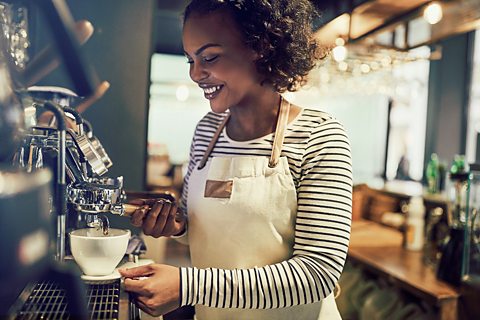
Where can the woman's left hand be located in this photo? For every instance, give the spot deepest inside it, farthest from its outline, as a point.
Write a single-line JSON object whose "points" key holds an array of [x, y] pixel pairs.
{"points": [[156, 287]]}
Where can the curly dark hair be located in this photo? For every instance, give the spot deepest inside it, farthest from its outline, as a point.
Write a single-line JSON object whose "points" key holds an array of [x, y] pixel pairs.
{"points": [[280, 31]]}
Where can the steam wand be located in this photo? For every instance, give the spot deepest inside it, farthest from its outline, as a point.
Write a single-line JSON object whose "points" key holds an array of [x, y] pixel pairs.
{"points": [[61, 200]]}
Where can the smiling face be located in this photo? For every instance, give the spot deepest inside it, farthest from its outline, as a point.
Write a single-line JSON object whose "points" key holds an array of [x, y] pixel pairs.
{"points": [[220, 63]]}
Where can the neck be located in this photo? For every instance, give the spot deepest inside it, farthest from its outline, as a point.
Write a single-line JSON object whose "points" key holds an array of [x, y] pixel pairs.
{"points": [[255, 117]]}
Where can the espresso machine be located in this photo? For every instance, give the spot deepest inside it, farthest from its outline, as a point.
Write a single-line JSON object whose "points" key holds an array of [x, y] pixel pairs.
{"points": [[52, 180], [81, 190], [26, 228], [78, 158]]}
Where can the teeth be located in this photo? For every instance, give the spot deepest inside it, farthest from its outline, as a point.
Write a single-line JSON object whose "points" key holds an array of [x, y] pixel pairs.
{"points": [[211, 89]]}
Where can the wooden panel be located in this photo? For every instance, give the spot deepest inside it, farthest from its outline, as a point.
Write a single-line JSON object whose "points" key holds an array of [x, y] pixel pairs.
{"points": [[368, 234], [385, 8], [372, 14]]}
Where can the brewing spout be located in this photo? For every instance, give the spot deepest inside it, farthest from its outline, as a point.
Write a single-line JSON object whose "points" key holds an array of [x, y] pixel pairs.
{"points": [[98, 222]]}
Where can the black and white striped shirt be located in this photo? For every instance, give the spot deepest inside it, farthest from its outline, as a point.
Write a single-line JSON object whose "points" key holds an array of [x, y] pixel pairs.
{"points": [[319, 158]]}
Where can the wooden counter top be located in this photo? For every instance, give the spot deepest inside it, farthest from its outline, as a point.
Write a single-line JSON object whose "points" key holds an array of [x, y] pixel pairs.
{"points": [[379, 249]]}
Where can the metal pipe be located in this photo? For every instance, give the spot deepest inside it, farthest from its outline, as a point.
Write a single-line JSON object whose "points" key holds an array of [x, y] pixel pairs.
{"points": [[61, 197], [88, 128], [78, 118]]}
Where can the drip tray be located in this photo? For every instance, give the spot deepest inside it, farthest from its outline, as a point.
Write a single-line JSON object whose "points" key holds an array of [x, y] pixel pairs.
{"points": [[47, 301]]}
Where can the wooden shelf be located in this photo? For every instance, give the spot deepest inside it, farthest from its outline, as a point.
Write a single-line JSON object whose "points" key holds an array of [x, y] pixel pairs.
{"points": [[379, 249]]}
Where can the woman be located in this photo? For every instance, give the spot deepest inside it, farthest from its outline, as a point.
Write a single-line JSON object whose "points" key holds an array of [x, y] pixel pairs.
{"points": [[268, 188]]}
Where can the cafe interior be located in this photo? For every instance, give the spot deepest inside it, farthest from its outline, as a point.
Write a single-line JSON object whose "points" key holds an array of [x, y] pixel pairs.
{"points": [[97, 107]]}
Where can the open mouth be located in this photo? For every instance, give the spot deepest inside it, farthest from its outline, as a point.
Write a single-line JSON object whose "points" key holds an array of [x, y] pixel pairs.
{"points": [[210, 92]]}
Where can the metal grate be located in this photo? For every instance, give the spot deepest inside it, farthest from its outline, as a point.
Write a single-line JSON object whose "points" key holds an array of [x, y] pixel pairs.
{"points": [[47, 301], [103, 300]]}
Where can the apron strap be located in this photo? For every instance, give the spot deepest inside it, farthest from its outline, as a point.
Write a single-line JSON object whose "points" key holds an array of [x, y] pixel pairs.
{"points": [[282, 122], [212, 142]]}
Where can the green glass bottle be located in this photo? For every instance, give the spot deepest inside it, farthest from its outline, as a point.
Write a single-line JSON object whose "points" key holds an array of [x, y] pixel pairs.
{"points": [[432, 174], [458, 165]]}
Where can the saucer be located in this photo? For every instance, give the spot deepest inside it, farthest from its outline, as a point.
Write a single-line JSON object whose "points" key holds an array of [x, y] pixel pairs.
{"points": [[112, 276], [115, 274], [131, 264]]}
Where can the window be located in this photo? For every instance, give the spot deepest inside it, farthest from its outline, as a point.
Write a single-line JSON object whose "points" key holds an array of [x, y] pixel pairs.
{"points": [[473, 124], [176, 105]]}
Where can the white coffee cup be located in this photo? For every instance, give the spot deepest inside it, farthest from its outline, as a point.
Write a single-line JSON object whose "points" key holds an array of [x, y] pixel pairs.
{"points": [[98, 254]]}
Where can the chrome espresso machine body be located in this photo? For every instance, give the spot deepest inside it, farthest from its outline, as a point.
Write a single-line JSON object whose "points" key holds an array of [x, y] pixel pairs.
{"points": [[52, 179], [81, 189], [78, 159]]}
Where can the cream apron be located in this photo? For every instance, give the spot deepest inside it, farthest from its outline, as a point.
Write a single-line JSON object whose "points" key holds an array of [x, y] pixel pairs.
{"points": [[241, 214]]}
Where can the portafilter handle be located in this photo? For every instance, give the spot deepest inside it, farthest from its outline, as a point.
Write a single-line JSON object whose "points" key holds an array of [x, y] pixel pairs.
{"points": [[121, 209], [129, 209]]}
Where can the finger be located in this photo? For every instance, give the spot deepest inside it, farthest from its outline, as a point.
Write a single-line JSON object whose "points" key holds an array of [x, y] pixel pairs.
{"points": [[162, 218], [171, 226], [142, 271], [138, 216], [137, 286], [180, 222], [151, 218], [180, 216], [165, 232], [156, 218]]}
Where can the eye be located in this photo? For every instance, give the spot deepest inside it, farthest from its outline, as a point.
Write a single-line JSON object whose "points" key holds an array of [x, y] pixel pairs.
{"points": [[189, 61], [210, 58]]}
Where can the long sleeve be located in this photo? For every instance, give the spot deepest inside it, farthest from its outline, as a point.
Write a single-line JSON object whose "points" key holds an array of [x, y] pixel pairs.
{"points": [[322, 231]]}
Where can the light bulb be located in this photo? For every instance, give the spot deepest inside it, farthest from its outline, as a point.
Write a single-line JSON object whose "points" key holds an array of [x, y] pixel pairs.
{"points": [[365, 68], [339, 53], [386, 61], [339, 42], [433, 13]]}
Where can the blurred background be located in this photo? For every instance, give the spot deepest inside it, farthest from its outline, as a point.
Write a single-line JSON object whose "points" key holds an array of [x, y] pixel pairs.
{"points": [[402, 76]]}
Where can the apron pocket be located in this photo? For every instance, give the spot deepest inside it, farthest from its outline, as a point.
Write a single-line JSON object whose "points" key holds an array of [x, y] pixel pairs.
{"points": [[218, 189]]}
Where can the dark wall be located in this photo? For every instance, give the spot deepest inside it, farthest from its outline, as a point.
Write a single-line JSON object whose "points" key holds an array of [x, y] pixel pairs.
{"points": [[120, 51], [449, 86], [168, 32]]}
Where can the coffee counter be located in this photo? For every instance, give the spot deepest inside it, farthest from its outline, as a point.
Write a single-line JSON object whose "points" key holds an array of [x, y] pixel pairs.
{"points": [[379, 250]]}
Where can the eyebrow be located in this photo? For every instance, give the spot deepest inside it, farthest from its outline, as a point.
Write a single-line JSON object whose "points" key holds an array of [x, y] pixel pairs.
{"points": [[202, 48]]}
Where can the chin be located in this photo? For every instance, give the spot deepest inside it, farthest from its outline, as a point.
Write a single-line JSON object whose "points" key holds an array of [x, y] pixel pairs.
{"points": [[218, 107]]}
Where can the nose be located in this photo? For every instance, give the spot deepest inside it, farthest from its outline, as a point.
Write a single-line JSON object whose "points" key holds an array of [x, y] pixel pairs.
{"points": [[197, 72]]}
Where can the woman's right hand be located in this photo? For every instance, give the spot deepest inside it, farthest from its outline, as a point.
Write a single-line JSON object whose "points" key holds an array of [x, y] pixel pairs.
{"points": [[158, 217]]}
